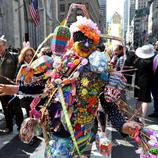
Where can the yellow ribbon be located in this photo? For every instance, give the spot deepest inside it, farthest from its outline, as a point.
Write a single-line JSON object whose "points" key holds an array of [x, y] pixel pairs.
{"points": [[67, 118]]}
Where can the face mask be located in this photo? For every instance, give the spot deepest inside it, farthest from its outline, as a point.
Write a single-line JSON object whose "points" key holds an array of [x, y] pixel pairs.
{"points": [[84, 47]]}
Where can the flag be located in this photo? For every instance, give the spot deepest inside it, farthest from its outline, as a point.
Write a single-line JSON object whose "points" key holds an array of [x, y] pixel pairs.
{"points": [[33, 9]]}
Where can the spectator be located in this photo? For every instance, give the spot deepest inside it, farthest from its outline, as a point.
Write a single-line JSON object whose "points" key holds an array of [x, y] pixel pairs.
{"points": [[143, 78], [118, 58], [25, 57], [8, 65], [129, 65]]}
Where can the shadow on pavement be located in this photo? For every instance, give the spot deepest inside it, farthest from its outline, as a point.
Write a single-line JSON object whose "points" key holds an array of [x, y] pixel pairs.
{"points": [[16, 149], [123, 147], [122, 151]]}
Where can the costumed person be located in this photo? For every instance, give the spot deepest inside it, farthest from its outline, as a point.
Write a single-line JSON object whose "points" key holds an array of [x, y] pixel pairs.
{"points": [[72, 90], [26, 55], [8, 65]]}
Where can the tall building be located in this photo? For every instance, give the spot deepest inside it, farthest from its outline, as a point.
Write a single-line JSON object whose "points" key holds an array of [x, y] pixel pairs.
{"points": [[141, 23], [126, 16], [129, 13], [53, 12], [63, 7], [102, 19], [140, 4], [17, 25], [11, 23], [153, 21], [116, 27]]}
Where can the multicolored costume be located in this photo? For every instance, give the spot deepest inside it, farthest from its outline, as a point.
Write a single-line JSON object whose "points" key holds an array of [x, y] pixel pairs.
{"points": [[71, 85], [80, 75]]}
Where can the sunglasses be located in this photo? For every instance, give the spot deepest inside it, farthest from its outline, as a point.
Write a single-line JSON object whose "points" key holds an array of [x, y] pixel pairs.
{"points": [[29, 55]]}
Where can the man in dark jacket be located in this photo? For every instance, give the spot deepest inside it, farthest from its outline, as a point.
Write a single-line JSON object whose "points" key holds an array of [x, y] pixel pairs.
{"points": [[8, 65]]}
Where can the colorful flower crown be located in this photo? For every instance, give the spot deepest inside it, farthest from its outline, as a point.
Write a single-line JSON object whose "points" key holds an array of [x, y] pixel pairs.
{"points": [[86, 26]]}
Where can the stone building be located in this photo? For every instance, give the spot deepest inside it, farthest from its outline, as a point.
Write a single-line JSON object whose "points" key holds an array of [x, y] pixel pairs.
{"points": [[92, 7], [11, 23], [153, 21], [16, 23], [102, 17]]}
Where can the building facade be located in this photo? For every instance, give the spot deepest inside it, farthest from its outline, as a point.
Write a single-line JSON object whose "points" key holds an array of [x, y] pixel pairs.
{"points": [[153, 21], [17, 25], [129, 13], [126, 17], [11, 22], [141, 23], [140, 4], [63, 7], [116, 27], [102, 17]]}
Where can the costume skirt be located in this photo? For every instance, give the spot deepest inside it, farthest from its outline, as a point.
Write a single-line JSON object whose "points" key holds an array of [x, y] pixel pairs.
{"points": [[61, 147]]}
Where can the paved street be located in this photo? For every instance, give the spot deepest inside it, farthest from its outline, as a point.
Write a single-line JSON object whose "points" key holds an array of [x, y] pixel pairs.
{"points": [[12, 147]]}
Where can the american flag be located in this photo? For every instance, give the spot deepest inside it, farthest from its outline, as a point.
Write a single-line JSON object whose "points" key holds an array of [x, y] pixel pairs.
{"points": [[33, 8]]}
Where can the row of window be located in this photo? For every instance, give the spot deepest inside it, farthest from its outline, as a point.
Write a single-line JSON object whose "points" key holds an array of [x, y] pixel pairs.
{"points": [[63, 6], [63, 9]]}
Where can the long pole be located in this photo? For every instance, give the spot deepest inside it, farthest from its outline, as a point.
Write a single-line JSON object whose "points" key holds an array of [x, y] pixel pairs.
{"points": [[44, 18]]}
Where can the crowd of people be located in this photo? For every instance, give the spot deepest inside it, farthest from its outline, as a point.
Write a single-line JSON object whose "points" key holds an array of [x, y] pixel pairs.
{"points": [[80, 91], [143, 60]]}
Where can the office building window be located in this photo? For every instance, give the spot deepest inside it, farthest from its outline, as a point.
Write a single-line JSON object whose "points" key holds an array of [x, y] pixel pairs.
{"points": [[62, 7]]}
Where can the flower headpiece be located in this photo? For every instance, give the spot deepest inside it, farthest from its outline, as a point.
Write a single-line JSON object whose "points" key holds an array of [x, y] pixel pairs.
{"points": [[87, 27]]}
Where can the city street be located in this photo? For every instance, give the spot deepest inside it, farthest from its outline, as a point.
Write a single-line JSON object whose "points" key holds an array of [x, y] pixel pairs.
{"points": [[12, 147], [64, 61]]}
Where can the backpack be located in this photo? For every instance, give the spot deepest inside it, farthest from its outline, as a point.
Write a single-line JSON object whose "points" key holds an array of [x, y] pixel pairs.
{"points": [[115, 86]]}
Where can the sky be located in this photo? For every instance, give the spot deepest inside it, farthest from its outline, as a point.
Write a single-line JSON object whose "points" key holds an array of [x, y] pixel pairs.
{"points": [[114, 5]]}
